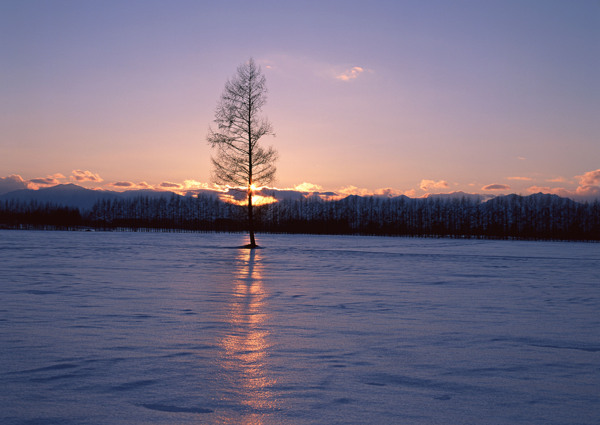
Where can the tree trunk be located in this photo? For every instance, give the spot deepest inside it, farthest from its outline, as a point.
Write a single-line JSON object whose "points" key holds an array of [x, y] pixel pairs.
{"points": [[252, 243]]}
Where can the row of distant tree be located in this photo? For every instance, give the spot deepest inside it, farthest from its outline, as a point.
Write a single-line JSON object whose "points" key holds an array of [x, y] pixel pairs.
{"points": [[530, 217]]}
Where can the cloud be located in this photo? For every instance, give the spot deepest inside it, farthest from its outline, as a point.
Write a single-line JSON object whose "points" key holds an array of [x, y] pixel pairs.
{"points": [[45, 181], [588, 189], [12, 182], [51, 180], [581, 193], [557, 180], [589, 184], [85, 176], [591, 178], [350, 74], [432, 184], [496, 187], [537, 189], [520, 178], [16, 182], [170, 185], [353, 190], [388, 192], [308, 187], [123, 184], [191, 184], [188, 187], [126, 185], [521, 158]]}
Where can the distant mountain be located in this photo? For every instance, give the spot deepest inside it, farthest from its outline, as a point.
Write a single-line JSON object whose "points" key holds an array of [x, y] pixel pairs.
{"points": [[536, 216], [74, 196], [71, 195], [461, 195], [280, 194], [535, 199], [145, 193]]}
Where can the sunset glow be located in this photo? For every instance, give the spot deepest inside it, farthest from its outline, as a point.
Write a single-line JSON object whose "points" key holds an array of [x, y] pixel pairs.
{"points": [[300, 212], [386, 99], [257, 200]]}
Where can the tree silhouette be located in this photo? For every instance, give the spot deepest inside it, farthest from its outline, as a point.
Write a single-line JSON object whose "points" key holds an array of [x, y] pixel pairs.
{"points": [[240, 161]]}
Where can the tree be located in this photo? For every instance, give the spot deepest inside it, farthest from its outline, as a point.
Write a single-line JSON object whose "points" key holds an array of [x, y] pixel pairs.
{"points": [[240, 161]]}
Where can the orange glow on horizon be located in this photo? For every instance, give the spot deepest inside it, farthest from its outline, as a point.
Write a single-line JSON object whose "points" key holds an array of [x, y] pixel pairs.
{"points": [[257, 200]]}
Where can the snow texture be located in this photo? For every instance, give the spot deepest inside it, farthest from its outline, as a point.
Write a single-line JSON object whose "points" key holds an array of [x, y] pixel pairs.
{"points": [[166, 328]]}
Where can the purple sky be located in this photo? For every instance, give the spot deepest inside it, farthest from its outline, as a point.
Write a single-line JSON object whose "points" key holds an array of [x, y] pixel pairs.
{"points": [[414, 96]]}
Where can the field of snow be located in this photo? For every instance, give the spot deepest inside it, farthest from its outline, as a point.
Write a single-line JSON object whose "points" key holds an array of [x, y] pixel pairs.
{"points": [[164, 328]]}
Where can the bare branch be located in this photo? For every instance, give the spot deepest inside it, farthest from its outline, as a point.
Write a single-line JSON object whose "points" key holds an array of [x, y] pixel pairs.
{"points": [[240, 160]]}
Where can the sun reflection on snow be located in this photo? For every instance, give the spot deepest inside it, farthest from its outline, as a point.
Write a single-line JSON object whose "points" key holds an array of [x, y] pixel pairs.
{"points": [[246, 343]]}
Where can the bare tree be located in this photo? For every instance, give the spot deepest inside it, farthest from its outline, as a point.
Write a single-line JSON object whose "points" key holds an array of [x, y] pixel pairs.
{"points": [[240, 161]]}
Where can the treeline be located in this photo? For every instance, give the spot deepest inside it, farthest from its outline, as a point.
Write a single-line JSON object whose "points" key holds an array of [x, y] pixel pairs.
{"points": [[531, 217], [16, 214]]}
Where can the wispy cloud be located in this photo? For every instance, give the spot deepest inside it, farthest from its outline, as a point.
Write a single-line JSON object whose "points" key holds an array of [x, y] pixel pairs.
{"points": [[301, 66], [45, 181], [170, 185], [433, 184], [496, 187], [188, 186], [127, 185], [122, 184], [350, 74], [85, 176], [520, 178]]}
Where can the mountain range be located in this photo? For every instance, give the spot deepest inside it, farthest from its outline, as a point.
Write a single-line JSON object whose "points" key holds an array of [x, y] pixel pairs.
{"points": [[74, 196]]}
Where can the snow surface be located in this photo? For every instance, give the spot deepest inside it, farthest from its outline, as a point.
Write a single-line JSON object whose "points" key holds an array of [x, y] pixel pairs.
{"points": [[166, 328]]}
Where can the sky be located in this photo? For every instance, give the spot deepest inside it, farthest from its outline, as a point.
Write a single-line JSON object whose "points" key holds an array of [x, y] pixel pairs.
{"points": [[377, 97]]}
